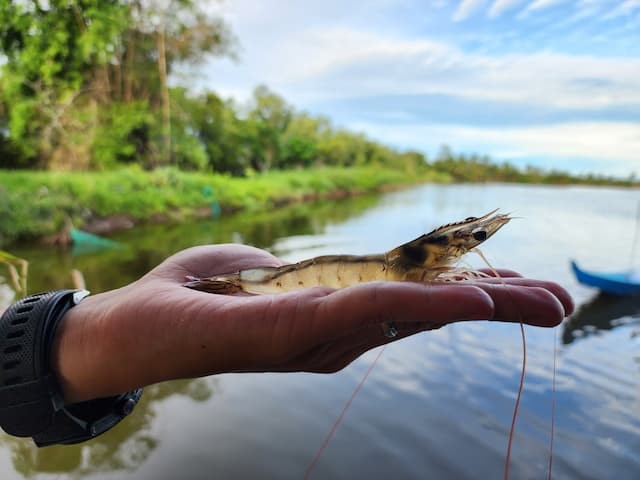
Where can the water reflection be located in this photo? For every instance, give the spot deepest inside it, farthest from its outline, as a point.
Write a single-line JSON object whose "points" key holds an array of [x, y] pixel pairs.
{"points": [[124, 448], [458, 382], [603, 312]]}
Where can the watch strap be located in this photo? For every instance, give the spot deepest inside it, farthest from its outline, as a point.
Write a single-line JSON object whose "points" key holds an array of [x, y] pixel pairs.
{"points": [[31, 400]]}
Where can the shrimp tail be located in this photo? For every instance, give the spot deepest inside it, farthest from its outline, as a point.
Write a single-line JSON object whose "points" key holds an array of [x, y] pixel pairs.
{"points": [[222, 285]]}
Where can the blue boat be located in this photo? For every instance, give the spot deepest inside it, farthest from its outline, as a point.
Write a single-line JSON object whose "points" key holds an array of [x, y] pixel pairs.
{"points": [[614, 283]]}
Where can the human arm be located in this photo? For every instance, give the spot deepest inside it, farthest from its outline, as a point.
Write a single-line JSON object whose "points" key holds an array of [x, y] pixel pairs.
{"points": [[154, 329]]}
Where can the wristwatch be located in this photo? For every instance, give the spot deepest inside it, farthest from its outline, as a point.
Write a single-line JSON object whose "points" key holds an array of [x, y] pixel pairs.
{"points": [[31, 400]]}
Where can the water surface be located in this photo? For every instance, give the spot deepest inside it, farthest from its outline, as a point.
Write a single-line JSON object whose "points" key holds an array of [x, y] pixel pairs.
{"points": [[437, 405]]}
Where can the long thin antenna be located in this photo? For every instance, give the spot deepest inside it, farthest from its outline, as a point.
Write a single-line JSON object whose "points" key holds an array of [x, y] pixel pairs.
{"points": [[553, 402], [635, 239], [514, 418], [327, 439]]}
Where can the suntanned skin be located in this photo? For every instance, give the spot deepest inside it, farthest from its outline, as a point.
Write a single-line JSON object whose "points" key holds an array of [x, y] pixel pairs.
{"points": [[154, 329]]}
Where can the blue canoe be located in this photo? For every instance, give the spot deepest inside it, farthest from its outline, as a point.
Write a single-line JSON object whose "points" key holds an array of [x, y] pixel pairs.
{"points": [[614, 283]]}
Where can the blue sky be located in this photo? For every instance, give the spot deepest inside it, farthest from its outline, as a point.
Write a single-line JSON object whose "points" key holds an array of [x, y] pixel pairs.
{"points": [[553, 83]]}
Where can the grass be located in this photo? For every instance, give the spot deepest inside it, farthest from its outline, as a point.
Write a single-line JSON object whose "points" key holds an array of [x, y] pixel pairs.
{"points": [[37, 204]]}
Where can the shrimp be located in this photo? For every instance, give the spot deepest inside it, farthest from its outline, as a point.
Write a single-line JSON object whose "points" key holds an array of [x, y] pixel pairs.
{"points": [[429, 257]]}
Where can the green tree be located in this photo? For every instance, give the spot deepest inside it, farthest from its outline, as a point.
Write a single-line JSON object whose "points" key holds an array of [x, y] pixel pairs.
{"points": [[300, 141], [213, 124], [49, 50], [268, 119], [184, 38], [66, 61]]}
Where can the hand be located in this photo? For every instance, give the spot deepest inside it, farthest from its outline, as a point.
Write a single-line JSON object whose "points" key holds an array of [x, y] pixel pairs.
{"points": [[155, 329]]}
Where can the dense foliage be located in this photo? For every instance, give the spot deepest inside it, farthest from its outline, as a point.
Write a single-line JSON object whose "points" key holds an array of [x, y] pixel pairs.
{"points": [[84, 86]]}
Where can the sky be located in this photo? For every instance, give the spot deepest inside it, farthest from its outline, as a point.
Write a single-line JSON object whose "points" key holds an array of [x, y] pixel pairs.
{"points": [[550, 83]]}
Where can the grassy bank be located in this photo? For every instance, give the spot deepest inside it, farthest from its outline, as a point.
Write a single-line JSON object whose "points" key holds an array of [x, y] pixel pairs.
{"points": [[36, 204]]}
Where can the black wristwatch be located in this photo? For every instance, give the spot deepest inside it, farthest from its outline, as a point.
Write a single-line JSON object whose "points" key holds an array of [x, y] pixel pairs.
{"points": [[31, 401]]}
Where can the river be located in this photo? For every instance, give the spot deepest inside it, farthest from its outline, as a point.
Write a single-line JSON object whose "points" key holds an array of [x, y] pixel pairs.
{"points": [[437, 405]]}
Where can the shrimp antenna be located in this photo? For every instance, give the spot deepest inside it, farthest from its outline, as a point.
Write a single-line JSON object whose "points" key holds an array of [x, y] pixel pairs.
{"points": [[327, 439], [516, 407]]}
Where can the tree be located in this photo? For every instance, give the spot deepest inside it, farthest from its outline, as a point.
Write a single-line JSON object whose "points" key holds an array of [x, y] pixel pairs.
{"points": [[268, 119], [299, 142], [183, 33], [49, 50], [68, 60], [214, 125]]}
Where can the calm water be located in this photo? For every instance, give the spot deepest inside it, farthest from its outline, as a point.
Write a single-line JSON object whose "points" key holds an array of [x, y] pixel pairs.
{"points": [[437, 405]]}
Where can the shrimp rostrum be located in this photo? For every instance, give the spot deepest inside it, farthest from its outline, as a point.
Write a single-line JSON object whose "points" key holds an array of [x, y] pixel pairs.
{"points": [[430, 257]]}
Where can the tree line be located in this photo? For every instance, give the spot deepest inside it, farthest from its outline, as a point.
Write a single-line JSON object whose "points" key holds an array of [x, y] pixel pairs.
{"points": [[480, 168], [84, 85]]}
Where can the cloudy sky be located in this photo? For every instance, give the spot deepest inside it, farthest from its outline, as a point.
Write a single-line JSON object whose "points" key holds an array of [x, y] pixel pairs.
{"points": [[554, 83]]}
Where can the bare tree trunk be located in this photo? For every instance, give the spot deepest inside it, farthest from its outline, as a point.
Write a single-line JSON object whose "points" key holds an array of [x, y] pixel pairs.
{"points": [[164, 95], [128, 66], [105, 84]]}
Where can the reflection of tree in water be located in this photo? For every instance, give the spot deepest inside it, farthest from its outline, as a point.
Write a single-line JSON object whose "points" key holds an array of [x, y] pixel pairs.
{"points": [[125, 447], [302, 219], [603, 312]]}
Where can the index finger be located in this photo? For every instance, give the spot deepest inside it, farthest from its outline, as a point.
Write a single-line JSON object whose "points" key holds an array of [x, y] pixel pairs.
{"points": [[380, 302], [560, 292]]}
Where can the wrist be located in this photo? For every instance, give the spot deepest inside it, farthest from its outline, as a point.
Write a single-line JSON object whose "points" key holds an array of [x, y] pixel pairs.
{"points": [[32, 402], [77, 354]]}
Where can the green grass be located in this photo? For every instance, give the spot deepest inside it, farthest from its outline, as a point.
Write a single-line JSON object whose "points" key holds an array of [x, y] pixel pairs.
{"points": [[36, 204]]}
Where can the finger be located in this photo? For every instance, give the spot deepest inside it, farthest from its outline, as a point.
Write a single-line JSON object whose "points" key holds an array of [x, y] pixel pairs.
{"points": [[560, 292], [503, 272], [378, 302], [530, 304]]}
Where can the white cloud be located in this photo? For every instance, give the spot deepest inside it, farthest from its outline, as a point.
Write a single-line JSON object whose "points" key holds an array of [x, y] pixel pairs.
{"points": [[538, 5], [626, 8], [541, 4], [466, 8], [335, 63], [302, 61], [584, 10], [500, 6], [613, 146]]}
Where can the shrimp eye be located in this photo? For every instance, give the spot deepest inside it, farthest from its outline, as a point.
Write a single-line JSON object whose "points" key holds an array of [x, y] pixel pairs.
{"points": [[470, 219], [480, 235]]}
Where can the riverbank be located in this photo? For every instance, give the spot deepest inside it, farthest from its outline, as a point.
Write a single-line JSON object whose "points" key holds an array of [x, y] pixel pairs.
{"points": [[38, 205]]}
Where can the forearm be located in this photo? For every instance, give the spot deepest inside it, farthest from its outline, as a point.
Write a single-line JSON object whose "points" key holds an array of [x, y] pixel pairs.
{"points": [[117, 341]]}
